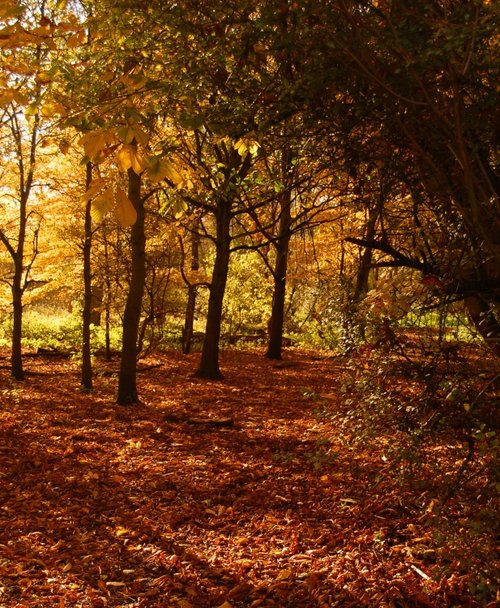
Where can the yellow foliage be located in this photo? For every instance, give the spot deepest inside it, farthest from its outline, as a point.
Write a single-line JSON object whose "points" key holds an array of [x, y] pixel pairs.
{"points": [[102, 205], [160, 168], [125, 212], [128, 157]]}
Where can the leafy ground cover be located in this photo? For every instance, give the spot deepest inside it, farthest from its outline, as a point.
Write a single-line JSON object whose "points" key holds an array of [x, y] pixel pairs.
{"points": [[304, 483]]}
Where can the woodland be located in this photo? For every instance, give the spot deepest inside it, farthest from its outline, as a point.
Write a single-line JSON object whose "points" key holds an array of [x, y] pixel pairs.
{"points": [[249, 303]]}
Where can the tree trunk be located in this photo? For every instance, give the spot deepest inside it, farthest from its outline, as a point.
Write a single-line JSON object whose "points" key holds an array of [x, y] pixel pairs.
{"points": [[127, 388], [87, 287], [277, 319], [107, 299], [209, 363], [187, 331], [17, 325], [354, 327]]}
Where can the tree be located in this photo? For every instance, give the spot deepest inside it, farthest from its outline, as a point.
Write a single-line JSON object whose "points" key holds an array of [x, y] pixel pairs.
{"points": [[423, 78], [86, 371], [127, 389], [21, 107]]}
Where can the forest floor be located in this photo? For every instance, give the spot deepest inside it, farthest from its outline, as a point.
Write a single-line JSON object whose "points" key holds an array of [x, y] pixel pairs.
{"points": [[319, 481]]}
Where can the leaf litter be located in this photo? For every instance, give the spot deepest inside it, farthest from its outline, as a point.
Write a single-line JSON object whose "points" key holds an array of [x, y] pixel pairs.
{"points": [[104, 505]]}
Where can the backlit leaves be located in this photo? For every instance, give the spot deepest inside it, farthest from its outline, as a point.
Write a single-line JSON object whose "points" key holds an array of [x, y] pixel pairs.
{"points": [[125, 212], [128, 157], [110, 199], [95, 143], [102, 205], [160, 168]]}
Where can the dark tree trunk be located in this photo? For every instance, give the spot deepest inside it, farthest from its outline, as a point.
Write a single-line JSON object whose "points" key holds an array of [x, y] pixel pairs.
{"points": [[17, 283], [282, 243], [17, 323], [187, 332], [277, 319], [87, 290], [353, 326], [107, 299], [209, 363], [127, 388]]}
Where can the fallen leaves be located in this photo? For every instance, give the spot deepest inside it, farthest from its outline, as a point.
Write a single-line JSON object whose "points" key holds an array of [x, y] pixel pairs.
{"points": [[106, 506]]}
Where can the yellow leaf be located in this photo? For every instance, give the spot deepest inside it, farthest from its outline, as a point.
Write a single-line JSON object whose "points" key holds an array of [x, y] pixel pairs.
{"points": [[52, 108], [102, 205], [124, 211], [95, 187], [123, 158], [241, 147], [120, 531], [140, 135], [129, 158], [75, 40], [179, 207], [137, 161], [108, 75], [93, 143], [64, 146], [41, 30]]}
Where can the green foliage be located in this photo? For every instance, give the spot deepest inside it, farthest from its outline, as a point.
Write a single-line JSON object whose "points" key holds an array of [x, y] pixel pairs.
{"points": [[248, 296], [58, 331]]}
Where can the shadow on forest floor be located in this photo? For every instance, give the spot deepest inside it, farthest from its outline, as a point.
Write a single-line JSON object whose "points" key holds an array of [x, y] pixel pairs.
{"points": [[312, 498]]}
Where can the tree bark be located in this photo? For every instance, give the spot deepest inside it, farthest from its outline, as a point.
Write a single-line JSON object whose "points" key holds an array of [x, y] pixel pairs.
{"points": [[17, 323], [209, 363], [87, 286], [187, 331], [127, 385], [277, 319], [276, 322]]}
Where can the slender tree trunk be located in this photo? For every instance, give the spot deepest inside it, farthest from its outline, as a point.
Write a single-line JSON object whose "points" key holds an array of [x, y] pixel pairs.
{"points": [[187, 331], [107, 298], [277, 319], [209, 363], [20, 275], [354, 326], [17, 325], [87, 286], [127, 389]]}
